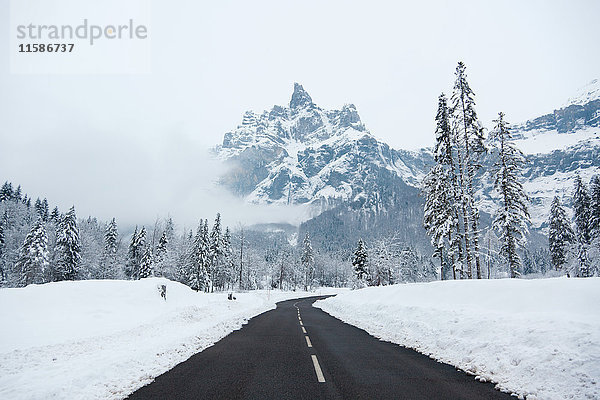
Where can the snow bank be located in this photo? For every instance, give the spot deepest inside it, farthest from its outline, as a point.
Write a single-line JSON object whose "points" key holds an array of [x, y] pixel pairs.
{"points": [[537, 338], [104, 339]]}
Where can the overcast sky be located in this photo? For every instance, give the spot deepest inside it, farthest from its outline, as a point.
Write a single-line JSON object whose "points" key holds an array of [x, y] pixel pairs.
{"points": [[133, 146]]}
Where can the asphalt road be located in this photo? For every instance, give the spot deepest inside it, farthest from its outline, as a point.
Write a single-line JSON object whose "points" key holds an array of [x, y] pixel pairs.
{"points": [[270, 358]]}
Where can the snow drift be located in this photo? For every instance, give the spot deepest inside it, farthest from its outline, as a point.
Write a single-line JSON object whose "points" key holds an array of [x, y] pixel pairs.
{"points": [[535, 338], [104, 339]]}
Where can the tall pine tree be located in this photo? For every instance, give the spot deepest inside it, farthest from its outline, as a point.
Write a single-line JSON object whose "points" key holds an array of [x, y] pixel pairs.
{"points": [[595, 207], [108, 261], [360, 262], [560, 236], [146, 263], [581, 211], [33, 255], [161, 254], [308, 262], [583, 225], [440, 211], [199, 259], [216, 251], [512, 216], [468, 140], [68, 251]]}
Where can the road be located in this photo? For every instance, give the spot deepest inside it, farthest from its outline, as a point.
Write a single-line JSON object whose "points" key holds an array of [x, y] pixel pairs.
{"points": [[300, 352]]}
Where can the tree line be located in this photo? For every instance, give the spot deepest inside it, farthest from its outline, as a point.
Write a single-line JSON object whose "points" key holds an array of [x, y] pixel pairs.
{"points": [[451, 210]]}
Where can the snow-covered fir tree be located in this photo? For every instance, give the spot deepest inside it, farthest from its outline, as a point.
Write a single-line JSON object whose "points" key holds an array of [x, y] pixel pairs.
{"points": [[511, 217], [440, 211], [33, 256], [2, 245], [216, 252], [137, 246], [583, 226], [228, 270], [199, 259], [141, 245], [360, 262], [67, 247], [6, 192], [18, 194], [132, 256], [581, 211], [109, 260], [468, 141], [146, 263], [161, 254], [308, 262], [55, 215], [583, 259], [560, 236], [595, 208]]}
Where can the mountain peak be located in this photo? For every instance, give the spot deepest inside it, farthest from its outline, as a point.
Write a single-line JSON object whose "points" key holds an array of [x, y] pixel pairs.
{"points": [[300, 97], [587, 93]]}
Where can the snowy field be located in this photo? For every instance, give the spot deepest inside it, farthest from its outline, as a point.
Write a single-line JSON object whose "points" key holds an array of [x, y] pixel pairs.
{"points": [[104, 339], [536, 338]]}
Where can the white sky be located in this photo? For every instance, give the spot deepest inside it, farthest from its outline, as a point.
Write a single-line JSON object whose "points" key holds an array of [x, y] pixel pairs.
{"points": [[132, 146]]}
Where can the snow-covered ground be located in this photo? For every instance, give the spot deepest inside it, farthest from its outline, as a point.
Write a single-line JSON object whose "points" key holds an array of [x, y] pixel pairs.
{"points": [[537, 338], [104, 339]]}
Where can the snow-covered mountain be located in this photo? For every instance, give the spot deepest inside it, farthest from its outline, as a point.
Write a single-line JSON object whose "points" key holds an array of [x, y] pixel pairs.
{"points": [[558, 146], [303, 154]]}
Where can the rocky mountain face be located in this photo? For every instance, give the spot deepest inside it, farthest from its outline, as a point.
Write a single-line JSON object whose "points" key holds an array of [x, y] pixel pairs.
{"points": [[579, 112], [558, 146], [303, 154]]}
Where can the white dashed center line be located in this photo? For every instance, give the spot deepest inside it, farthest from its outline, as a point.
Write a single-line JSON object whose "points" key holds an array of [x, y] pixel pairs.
{"points": [[320, 376], [308, 343], [315, 361]]}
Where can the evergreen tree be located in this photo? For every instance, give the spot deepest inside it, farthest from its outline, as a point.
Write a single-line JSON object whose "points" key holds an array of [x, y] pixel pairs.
{"points": [[133, 254], [45, 210], [140, 245], [583, 224], [38, 208], [109, 255], [68, 247], [584, 270], [146, 269], [33, 256], [228, 258], [581, 211], [2, 246], [360, 262], [18, 194], [161, 253], [199, 259], [170, 230], [308, 262], [215, 251], [512, 216], [440, 212], [55, 215], [6, 193], [595, 207], [468, 140], [560, 235]]}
